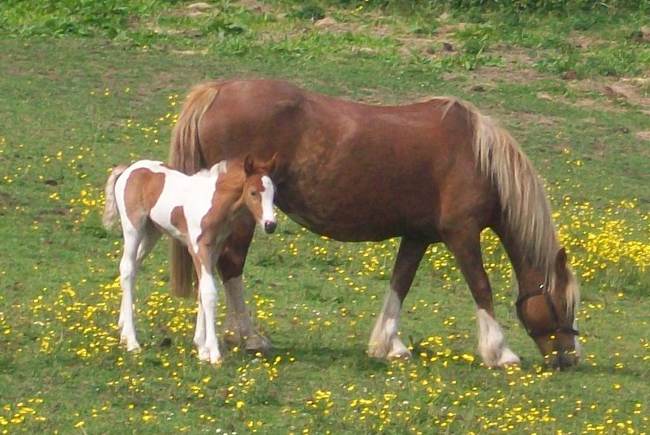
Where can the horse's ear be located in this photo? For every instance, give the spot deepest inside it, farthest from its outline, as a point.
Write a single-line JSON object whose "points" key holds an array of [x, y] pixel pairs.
{"points": [[272, 164], [249, 165], [561, 259]]}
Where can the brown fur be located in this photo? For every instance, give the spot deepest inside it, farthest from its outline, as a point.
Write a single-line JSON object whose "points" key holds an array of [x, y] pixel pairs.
{"points": [[143, 189]]}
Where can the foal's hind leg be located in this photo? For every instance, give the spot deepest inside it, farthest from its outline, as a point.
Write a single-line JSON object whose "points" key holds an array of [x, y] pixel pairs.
{"points": [[128, 269], [384, 341], [465, 245], [150, 235]]}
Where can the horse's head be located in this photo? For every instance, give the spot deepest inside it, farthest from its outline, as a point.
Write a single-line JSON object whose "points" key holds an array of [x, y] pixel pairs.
{"points": [[259, 190], [549, 315]]}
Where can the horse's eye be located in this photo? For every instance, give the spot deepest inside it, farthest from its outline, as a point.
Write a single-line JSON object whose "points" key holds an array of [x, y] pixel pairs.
{"points": [[253, 193]]}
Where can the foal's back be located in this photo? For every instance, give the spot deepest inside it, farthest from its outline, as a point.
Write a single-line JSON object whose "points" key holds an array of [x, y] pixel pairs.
{"points": [[172, 200]]}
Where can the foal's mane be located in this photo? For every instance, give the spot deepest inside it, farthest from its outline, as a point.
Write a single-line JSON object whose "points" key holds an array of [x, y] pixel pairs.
{"points": [[524, 203]]}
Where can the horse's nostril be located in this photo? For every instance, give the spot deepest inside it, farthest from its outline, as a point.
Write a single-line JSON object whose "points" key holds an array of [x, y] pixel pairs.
{"points": [[269, 226]]}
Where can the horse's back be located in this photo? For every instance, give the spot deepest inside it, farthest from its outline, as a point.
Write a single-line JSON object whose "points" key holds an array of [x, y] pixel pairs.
{"points": [[354, 171]]}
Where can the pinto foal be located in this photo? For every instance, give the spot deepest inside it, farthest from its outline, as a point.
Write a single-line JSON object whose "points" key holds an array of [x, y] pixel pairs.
{"points": [[197, 210]]}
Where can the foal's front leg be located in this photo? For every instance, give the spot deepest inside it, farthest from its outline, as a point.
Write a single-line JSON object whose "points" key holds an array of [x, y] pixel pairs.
{"points": [[207, 294]]}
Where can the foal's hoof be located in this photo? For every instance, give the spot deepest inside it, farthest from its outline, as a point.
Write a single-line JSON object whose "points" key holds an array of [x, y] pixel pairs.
{"points": [[401, 354], [377, 351], [213, 358], [258, 343], [132, 344]]}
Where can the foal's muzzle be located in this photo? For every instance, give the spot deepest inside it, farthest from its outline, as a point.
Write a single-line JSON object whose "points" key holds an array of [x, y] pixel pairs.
{"points": [[269, 227]]}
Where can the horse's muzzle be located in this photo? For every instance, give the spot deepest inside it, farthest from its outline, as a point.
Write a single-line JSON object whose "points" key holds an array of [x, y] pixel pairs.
{"points": [[564, 360], [269, 227]]}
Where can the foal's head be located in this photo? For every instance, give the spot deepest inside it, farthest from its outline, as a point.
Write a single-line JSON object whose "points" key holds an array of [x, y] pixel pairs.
{"points": [[549, 316], [258, 191]]}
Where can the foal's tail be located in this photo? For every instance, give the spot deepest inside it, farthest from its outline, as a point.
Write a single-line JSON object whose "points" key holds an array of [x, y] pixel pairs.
{"points": [[185, 155], [110, 207]]}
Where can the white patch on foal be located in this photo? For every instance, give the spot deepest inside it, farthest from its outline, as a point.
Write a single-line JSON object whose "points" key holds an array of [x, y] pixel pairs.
{"points": [[195, 206], [208, 294], [491, 342], [384, 341]]}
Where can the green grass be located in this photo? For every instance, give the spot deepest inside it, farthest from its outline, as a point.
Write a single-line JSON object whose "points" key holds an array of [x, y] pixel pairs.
{"points": [[106, 90]]}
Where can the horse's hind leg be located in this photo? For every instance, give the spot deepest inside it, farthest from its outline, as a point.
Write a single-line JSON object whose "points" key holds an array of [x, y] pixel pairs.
{"points": [[465, 245], [384, 341], [238, 326], [128, 269]]}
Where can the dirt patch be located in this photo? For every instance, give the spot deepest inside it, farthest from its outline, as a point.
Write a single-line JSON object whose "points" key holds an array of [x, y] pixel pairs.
{"points": [[643, 135], [580, 40], [7, 200], [536, 118], [630, 90], [256, 6]]}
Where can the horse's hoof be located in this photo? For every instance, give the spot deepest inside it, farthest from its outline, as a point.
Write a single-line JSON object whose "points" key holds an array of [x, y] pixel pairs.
{"points": [[231, 338], [258, 343], [508, 359]]}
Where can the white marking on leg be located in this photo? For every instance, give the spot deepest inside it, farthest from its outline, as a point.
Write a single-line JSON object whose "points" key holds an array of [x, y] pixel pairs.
{"points": [[208, 292], [492, 343], [384, 341], [128, 271], [199, 333], [577, 345]]}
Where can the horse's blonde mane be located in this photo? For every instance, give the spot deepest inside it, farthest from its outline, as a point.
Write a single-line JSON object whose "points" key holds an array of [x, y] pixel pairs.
{"points": [[522, 196]]}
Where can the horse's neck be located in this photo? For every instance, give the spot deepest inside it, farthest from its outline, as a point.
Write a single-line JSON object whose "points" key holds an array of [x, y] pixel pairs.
{"points": [[529, 276]]}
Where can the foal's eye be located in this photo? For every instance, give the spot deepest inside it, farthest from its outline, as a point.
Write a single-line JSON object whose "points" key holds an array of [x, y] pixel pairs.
{"points": [[253, 193]]}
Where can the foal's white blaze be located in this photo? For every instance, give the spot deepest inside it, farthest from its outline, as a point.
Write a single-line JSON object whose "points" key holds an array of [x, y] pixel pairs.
{"points": [[491, 342], [268, 214]]}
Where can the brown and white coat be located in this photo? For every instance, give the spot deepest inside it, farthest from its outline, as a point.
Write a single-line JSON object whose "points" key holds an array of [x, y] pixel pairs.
{"points": [[196, 210]]}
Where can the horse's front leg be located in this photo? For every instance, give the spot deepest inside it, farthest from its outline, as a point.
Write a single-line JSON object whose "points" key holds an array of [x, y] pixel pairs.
{"points": [[465, 245], [384, 341], [238, 326]]}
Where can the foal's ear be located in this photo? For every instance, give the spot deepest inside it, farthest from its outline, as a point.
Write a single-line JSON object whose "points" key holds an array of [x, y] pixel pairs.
{"points": [[561, 259], [249, 165]]}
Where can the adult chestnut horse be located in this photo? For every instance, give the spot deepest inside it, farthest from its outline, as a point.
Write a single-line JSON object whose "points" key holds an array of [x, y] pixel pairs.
{"points": [[434, 171]]}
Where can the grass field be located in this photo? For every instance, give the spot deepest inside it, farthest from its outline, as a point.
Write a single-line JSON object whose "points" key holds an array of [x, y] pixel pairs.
{"points": [[85, 85]]}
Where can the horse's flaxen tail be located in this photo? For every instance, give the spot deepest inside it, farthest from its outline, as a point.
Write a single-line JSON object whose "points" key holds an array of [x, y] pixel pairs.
{"points": [[185, 156], [525, 208], [110, 215]]}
